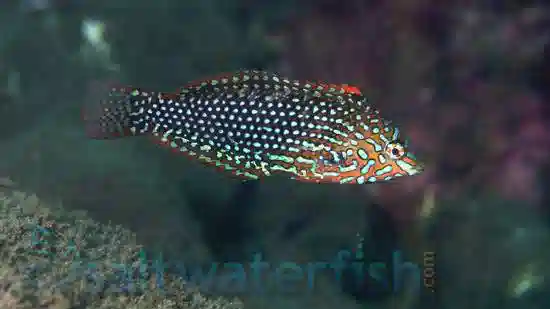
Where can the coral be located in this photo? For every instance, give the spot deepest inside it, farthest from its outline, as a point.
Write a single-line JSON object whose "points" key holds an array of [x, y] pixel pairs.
{"points": [[52, 269]]}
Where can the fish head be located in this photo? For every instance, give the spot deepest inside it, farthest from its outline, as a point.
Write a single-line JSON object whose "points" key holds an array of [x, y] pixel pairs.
{"points": [[374, 151], [383, 153]]}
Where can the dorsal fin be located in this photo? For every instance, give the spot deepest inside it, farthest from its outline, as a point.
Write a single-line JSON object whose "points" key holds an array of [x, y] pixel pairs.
{"points": [[320, 86], [335, 88], [227, 75]]}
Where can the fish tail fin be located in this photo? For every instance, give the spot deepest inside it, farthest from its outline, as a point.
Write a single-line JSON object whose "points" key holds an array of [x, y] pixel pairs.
{"points": [[118, 112]]}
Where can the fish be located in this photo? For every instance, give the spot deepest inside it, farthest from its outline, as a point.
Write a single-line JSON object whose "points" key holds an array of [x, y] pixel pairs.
{"points": [[254, 124]]}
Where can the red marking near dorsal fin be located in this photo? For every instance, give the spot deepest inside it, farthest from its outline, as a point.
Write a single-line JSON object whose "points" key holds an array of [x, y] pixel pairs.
{"points": [[348, 89], [351, 89]]}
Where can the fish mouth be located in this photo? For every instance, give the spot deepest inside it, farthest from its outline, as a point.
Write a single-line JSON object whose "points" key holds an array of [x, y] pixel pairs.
{"points": [[410, 168]]}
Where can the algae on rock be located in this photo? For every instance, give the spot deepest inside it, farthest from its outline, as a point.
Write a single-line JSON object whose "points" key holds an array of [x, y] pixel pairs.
{"points": [[47, 254]]}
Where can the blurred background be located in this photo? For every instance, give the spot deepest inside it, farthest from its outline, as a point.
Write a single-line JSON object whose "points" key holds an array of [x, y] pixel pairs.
{"points": [[468, 81]]}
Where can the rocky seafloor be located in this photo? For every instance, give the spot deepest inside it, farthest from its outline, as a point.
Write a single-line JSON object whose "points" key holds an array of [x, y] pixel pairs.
{"points": [[47, 253]]}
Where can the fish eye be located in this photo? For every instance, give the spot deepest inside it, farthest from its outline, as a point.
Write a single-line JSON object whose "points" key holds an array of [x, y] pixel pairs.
{"points": [[395, 150]]}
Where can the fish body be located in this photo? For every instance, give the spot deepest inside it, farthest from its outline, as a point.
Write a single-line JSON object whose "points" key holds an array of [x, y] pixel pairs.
{"points": [[256, 123]]}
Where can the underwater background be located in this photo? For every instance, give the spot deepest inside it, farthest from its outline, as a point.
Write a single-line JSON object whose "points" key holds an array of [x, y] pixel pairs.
{"points": [[467, 80]]}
